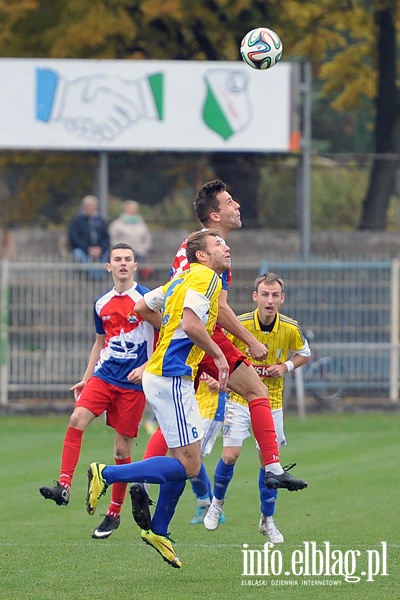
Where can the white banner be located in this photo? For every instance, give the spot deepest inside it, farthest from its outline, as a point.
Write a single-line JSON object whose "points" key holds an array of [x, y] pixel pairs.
{"points": [[144, 105]]}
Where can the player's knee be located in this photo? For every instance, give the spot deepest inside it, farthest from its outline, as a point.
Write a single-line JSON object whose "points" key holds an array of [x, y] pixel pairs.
{"points": [[79, 419], [255, 390], [122, 448], [192, 468], [230, 455]]}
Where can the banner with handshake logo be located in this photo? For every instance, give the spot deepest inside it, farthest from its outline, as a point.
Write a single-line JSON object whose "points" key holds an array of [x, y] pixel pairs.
{"points": [[145, 105]]}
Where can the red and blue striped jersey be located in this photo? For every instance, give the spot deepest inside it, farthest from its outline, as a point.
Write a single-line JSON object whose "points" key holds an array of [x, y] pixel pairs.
{"points": [[181, 263]]}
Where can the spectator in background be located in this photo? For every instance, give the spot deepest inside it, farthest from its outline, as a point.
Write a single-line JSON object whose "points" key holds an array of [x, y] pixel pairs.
{"points": [[88, 234], [131, 229]]}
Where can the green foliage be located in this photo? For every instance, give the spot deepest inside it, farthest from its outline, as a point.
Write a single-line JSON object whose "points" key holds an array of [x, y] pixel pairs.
{"points": [[277, 195], [47, 551], [11, 14], [47, 189], [339, 37], [337, 194], [44, 186]]}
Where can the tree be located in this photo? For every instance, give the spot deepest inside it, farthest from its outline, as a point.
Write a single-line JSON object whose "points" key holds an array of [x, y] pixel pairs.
{"points": [[387, 124], [173, 29], [354, 42], [351, 44]]}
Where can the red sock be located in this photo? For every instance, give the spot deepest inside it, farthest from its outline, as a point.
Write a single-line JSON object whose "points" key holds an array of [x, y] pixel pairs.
{"points": [[263, 426], [70, 455], [118, 492], [156, 446]]}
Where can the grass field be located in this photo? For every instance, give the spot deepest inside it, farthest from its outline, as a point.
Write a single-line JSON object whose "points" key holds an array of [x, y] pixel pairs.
{"points": [[352, 465]]}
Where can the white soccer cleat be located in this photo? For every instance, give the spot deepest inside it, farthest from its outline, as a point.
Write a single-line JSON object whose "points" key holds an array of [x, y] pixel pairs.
{"points": [[212, 518], [267, 527]]}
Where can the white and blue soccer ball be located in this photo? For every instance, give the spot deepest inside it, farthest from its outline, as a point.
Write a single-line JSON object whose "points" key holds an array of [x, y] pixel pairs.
{"points": [[261, 48]]}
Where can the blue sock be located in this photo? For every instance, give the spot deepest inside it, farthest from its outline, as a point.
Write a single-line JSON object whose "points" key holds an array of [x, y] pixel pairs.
{"points": [[166, 504], [267, 497], [201, 484], [158, 469], [222, 478], [210, 493]]}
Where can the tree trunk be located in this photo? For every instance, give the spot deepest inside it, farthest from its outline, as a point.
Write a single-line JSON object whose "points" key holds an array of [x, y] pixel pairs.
{"points": [[382, 176]]}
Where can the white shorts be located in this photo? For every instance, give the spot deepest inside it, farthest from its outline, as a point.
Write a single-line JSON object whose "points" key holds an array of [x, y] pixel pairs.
{"points": [[175, 408], [237, 424], [211, 430]]}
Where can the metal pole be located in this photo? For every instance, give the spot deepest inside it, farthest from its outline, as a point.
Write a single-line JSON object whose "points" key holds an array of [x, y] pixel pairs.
{"points": [[300, 394], [4, 347], [103, 179], [305, 202], [394, 330]]}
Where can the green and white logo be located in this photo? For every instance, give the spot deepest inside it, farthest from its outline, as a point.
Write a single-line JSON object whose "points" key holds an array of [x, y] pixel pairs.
{"points": [[227, 107]]}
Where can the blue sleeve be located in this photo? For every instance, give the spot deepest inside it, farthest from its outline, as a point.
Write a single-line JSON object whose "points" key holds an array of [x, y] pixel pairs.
{"points": [[220, 412], [98, 323], [46, 85], [142, 289], [225, 279]]}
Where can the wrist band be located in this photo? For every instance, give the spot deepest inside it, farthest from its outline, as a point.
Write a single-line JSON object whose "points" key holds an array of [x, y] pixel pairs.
{"points": [[290, 365]]}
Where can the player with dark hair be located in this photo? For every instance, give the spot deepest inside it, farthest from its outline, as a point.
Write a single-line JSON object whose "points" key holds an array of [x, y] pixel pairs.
{"points": [[216, 209], [189, 305], [124, 342]]}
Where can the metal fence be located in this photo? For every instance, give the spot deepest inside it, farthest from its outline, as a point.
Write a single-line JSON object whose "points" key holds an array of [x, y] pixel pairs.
{"points": [[350, 311]]}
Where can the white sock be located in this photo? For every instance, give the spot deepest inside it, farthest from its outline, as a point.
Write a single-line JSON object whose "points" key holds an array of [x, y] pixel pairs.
{"points": [[217, 502], [275, 468], [202, 503]]}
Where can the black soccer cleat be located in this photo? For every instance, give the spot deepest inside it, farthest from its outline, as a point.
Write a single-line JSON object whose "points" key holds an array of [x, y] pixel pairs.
{"points": [[106, 527], [140, 505], [58, 493], [284, 480]]}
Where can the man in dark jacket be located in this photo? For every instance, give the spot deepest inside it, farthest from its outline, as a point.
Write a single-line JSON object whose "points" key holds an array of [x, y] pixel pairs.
{"points": [[88, 234]]}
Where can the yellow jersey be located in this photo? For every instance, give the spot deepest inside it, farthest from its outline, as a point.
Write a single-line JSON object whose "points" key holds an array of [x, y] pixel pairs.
{"points": [[285, 337], [212, 404], [197, 288]]}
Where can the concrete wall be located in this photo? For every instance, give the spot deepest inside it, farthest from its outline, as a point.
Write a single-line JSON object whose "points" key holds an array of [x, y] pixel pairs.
{"points": [[247, 245]]}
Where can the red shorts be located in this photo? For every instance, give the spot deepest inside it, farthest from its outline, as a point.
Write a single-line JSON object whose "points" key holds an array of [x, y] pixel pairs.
{"points": [[231, 353], [124, 406]]}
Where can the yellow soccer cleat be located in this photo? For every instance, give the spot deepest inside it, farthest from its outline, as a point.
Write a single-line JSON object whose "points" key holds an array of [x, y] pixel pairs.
{"points": [[97, 486], [163, 546]]}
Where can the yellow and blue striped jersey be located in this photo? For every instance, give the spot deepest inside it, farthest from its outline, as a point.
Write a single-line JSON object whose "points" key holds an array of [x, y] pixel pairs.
{"points": [[285, 337], [197, 288], [211, 404]]}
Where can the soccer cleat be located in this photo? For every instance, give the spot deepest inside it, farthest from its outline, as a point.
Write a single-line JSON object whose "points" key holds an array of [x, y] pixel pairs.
{"points": [[163, 545], [212, 518], [267, 527], [58, 493], [97, 486], [140, 505], [106, 527], [284, 480], [201, 513]]}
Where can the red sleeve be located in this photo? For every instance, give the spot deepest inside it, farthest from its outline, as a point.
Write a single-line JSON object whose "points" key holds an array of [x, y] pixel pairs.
{"points": [[180, 263]]}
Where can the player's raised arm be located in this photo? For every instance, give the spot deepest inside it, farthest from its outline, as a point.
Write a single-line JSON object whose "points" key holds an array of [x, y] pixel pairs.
{"points": [[229, 321], [152, 316], [195, 330]]}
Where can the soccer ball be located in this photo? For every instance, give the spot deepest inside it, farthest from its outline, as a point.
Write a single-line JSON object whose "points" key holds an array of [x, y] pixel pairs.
{"points": [[261, 48]]}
